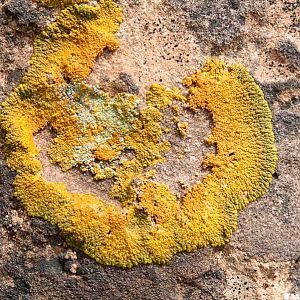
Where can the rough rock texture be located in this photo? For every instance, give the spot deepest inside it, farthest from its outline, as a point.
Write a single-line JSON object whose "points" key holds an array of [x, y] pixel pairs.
{"points": [[164, 41]]}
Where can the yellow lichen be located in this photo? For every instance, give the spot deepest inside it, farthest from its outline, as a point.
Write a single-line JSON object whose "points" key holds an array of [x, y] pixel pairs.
{"points": [[182, 128], [60, 3], [161, 97], [150, 224]]}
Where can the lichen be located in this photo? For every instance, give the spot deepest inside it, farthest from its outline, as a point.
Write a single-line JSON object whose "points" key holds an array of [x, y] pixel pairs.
{"points": [[182, 128], [246, 157], [161, 97], [94, 131], [60, 3]]}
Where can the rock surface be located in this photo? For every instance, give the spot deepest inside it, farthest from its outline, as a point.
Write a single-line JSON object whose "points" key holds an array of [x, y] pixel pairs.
{"points": [[164, 41]]}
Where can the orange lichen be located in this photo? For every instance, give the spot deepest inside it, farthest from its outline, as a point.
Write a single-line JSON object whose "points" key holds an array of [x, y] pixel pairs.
{"points": [[246, 157], [150, 224]]}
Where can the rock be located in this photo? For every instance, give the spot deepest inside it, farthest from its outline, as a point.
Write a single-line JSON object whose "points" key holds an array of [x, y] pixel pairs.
{"points": [[163, 41]]}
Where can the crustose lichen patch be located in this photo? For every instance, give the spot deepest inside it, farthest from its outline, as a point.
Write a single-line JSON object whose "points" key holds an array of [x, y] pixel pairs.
{"points": [[118, 139]]}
